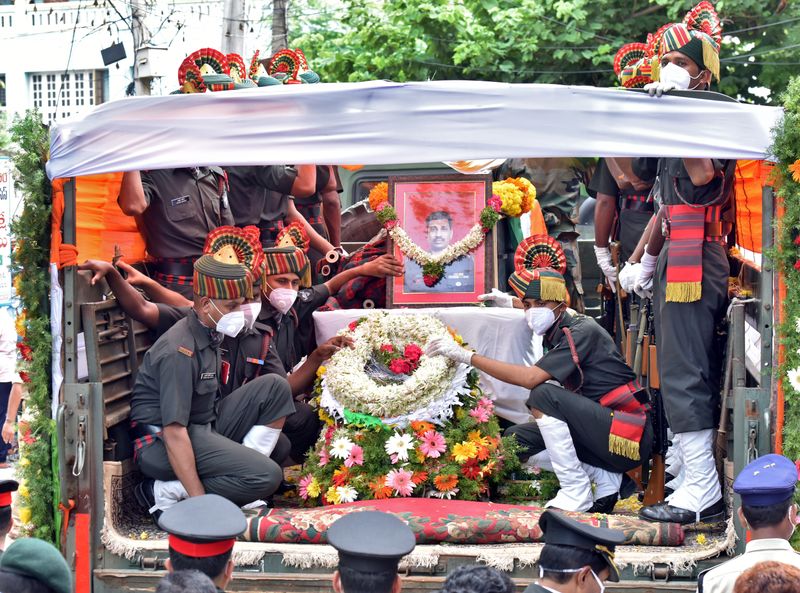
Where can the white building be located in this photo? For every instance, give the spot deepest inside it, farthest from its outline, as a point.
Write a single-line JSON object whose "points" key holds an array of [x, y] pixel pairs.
{"points": [[51, 50]]}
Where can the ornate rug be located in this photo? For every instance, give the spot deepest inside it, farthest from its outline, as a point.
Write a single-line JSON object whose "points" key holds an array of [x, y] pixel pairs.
{"points": [[448, 521]]}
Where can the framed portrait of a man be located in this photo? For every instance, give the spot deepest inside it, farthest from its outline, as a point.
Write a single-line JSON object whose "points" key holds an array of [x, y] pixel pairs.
{"points": [[437, 214]]}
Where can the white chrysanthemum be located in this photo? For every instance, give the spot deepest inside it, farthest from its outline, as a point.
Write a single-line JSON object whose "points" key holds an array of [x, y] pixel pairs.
{"points": [[399, 445], [346, 493], [447, 494], [794, 379], [797, 324], [341, 447]]}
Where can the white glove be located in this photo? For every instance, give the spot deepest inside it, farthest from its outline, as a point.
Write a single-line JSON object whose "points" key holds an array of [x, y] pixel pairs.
{"points": [[659, 88], [603, 255], [644, 281], [628, 275], [448, 347], [498, 297]]}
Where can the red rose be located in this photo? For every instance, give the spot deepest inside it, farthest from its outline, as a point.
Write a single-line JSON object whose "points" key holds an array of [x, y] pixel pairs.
{"points": [[495, 203], [430, 280], [353, 325], [797, 240], [797, 465], [797, 265], [26, 378], [399, 367], [387, 348], [412, 352]]}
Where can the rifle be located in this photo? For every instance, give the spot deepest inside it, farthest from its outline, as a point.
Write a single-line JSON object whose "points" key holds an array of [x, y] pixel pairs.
{"points": [[618, 296], [654, 493]]}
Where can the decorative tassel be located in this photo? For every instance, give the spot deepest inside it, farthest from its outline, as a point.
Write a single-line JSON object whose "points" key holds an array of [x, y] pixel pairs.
{"points": [[684, 292], [623, 447], [711, 58], [552, 289], [655, 67]]}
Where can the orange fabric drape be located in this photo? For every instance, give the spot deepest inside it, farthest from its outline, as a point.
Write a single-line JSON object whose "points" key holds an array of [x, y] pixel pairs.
{"points": [[538, 227], [751, 177], [100, 224]]}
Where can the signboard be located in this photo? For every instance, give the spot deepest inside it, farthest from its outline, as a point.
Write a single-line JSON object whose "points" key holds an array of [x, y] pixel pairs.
{"points": [[7, 199]]}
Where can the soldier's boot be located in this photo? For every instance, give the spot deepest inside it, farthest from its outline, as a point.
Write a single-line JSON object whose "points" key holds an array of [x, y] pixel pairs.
{"points": [[606, 488], [575, 493]]}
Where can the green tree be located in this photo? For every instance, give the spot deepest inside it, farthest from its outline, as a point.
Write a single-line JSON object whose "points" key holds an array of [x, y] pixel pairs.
{"points": [[545, 41]]}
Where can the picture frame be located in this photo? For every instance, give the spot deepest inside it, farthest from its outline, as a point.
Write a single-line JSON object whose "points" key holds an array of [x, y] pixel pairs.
{"points": [[437, 211]]}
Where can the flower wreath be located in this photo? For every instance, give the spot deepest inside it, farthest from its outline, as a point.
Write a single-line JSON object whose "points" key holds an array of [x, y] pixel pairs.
{"points": [[430, 386], [432, 265], [443, 441]]}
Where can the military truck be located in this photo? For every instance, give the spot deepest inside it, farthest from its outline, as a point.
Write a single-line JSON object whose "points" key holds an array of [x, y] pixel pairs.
{"points": [[112, 547]]}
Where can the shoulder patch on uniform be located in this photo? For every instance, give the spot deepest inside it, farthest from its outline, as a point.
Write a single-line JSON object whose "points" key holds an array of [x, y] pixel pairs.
{"points": [[185, 351], [305, 294]]}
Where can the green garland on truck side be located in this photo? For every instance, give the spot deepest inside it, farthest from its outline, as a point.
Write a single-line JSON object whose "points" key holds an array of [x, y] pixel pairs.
{"points": [[30, 265]]}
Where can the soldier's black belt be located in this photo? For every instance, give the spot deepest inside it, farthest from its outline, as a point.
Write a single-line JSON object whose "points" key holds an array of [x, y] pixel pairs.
{"points": [[636, 201], [174, 268]]}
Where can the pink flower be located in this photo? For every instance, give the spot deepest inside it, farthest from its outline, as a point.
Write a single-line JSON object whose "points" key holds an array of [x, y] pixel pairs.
{"points": [[399, 366], [400, 481], [412, 352], [495, 203], [356, 457], [485, 402], [303, 486], [390, 224], [480, 414], [323, 457], [382, 206], [797, 465], [387, 348], [433, 444]]}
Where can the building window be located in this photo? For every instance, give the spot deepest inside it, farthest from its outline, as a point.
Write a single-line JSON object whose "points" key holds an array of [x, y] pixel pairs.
{"points": [[60, 95]]}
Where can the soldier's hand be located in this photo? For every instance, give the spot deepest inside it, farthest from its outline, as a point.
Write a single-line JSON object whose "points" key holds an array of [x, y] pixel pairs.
{"points": [[132, 275], [8, 432], [603, 255], [332, 346], [499, 298], [659, 88], [385, 265], [99, 267], [449, 348], [644, 281], [628, 275]]}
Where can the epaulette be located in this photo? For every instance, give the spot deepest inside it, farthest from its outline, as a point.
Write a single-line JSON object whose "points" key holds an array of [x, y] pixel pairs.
{"points": [[185, 351]]}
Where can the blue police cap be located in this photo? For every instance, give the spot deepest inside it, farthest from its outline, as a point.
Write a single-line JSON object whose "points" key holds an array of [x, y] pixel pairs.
{"points": [[770, 479]]}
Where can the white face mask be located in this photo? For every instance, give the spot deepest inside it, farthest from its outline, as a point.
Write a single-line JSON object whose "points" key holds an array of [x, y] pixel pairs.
{"points": [[599, 582], [251, 311], [230, 324], [676, 75], [540, 319], [282, 299]]}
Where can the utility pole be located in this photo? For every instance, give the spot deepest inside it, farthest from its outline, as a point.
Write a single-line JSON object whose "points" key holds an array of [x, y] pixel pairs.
{"points": [[233, 26], [280, 30], [141, 38]]}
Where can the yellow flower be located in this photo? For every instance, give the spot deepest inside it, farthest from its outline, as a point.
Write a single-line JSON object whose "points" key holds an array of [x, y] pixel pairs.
{"points": [[476, 438], [701, 539], [795, 169], [144, 535], [25, 515], [23, 491], [323, 415], [321, 371], [314, 489], [23, 462], [332, 495], [464, 451]]}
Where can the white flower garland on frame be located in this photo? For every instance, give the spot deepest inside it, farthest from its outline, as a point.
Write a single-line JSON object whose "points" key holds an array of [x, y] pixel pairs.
{"points": [[414, 252], [430, 393]]}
